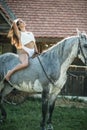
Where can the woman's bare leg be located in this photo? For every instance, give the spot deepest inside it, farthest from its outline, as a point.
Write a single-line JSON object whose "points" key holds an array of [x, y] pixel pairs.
{"points": [[24, 63]]}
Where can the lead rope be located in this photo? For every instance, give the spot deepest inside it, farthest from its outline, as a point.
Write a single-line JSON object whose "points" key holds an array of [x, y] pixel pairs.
{"points": [[45, 72]]}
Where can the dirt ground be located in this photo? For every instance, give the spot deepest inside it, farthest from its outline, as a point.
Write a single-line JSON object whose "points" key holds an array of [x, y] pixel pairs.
{"points": [[64, 102], [17, 98]]}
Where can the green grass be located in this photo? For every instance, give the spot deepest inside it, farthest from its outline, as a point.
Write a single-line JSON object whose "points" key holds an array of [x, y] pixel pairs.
{"points": [[27, 116]]}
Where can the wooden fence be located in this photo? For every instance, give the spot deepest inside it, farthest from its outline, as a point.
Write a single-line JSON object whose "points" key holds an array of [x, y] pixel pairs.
{"points": [[76, 84]]}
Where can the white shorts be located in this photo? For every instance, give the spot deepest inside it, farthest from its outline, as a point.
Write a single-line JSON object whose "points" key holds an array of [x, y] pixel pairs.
{"points": [[29, 51]]}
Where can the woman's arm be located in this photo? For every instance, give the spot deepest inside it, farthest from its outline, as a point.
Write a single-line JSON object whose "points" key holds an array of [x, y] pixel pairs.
{"points": [[16, 30], [18, 43]]}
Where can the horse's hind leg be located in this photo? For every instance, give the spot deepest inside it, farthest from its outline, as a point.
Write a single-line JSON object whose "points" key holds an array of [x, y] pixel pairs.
{"points": [[6, 90], [3, 112]]}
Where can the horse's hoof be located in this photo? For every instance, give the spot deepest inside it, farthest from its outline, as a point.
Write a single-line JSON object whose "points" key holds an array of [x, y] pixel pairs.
{"points": [[43, 128], [1, 121], [42, 125], [49, 127]]}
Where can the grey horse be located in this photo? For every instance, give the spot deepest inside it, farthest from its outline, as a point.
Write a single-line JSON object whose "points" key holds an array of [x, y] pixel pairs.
{"points": [[47, 73]]}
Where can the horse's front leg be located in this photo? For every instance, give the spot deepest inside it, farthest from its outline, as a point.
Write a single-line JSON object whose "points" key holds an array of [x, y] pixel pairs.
{"points": [[50, 112], [52, 100], [45, 97]]}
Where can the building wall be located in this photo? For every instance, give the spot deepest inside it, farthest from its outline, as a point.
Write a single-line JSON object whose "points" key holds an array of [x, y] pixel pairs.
{"points": [[4, 44]]}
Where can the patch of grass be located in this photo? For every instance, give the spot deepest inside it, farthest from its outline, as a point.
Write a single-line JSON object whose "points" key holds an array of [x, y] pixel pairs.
{"points": [[27, 116], [70, 118]]}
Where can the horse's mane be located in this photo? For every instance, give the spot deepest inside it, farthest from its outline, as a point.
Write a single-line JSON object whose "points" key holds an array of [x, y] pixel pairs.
{"points": [[60, 47]]}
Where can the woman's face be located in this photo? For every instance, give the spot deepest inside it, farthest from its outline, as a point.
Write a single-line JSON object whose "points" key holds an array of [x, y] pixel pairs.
{"points": [[21, 24]]}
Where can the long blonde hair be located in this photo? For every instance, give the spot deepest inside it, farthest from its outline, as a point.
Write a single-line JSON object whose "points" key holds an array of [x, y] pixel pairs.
{"points": [[14, 38]]}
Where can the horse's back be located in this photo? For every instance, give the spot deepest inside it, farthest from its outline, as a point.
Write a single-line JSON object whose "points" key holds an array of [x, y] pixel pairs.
{"points": [[9, 60]]}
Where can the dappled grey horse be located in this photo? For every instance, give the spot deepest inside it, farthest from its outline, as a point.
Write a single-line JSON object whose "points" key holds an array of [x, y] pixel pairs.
{"points": [[47, 73]]}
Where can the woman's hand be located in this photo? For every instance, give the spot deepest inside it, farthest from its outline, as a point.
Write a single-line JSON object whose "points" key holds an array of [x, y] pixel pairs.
{"points": [[16, 20]]}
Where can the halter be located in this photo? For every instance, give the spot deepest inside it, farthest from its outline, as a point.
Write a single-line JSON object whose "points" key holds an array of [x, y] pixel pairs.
{"points": [[80, 49]]}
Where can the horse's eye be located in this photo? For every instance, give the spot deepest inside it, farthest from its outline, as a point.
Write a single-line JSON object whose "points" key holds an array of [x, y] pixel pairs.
{"points": [[85, 45]]}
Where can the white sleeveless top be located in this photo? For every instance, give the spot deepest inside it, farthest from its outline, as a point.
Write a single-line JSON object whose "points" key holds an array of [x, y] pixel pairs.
{"points": [[27, 37]]}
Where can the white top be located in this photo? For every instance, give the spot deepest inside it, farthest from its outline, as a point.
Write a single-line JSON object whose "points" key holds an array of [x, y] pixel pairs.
{"points": [[27, 37]]}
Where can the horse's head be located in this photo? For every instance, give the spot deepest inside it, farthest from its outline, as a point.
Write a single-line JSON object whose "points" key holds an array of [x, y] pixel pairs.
{"points": [[82, 46]]}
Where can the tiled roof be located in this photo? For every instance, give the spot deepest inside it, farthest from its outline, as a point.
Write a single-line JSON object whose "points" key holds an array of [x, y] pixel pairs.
{"points": [[51, 18]]}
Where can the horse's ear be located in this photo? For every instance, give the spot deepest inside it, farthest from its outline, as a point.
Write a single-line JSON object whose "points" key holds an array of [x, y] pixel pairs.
{"points": [[84, 32], [78, 32]]}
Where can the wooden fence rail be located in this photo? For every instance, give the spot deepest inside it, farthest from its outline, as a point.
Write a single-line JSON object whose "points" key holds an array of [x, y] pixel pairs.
{"points": [[76, 84]]}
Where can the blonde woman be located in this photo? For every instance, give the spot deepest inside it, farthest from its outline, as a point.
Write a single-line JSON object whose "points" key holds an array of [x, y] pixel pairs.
{"points": [[24, 42]]}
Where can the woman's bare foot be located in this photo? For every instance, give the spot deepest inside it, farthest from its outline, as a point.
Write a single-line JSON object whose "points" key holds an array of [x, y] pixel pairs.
{"points": [[8, 75]]}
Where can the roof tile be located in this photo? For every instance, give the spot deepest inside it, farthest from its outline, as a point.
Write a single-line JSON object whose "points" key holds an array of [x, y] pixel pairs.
{"points": [[51, 18]]}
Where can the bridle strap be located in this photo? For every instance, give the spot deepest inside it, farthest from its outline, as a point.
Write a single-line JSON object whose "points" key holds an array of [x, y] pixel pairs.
{"points": [[50, 79]]}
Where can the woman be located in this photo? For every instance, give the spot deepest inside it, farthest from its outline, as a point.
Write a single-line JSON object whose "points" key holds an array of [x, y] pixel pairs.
{"points": [[24, 42]]}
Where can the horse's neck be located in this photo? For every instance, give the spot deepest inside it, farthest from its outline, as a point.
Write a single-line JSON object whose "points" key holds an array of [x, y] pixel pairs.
{"points": [[70, 54], [63, 52]]}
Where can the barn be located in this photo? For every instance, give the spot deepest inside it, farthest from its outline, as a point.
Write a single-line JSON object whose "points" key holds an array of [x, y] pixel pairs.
{"points": [[50, 21]]}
